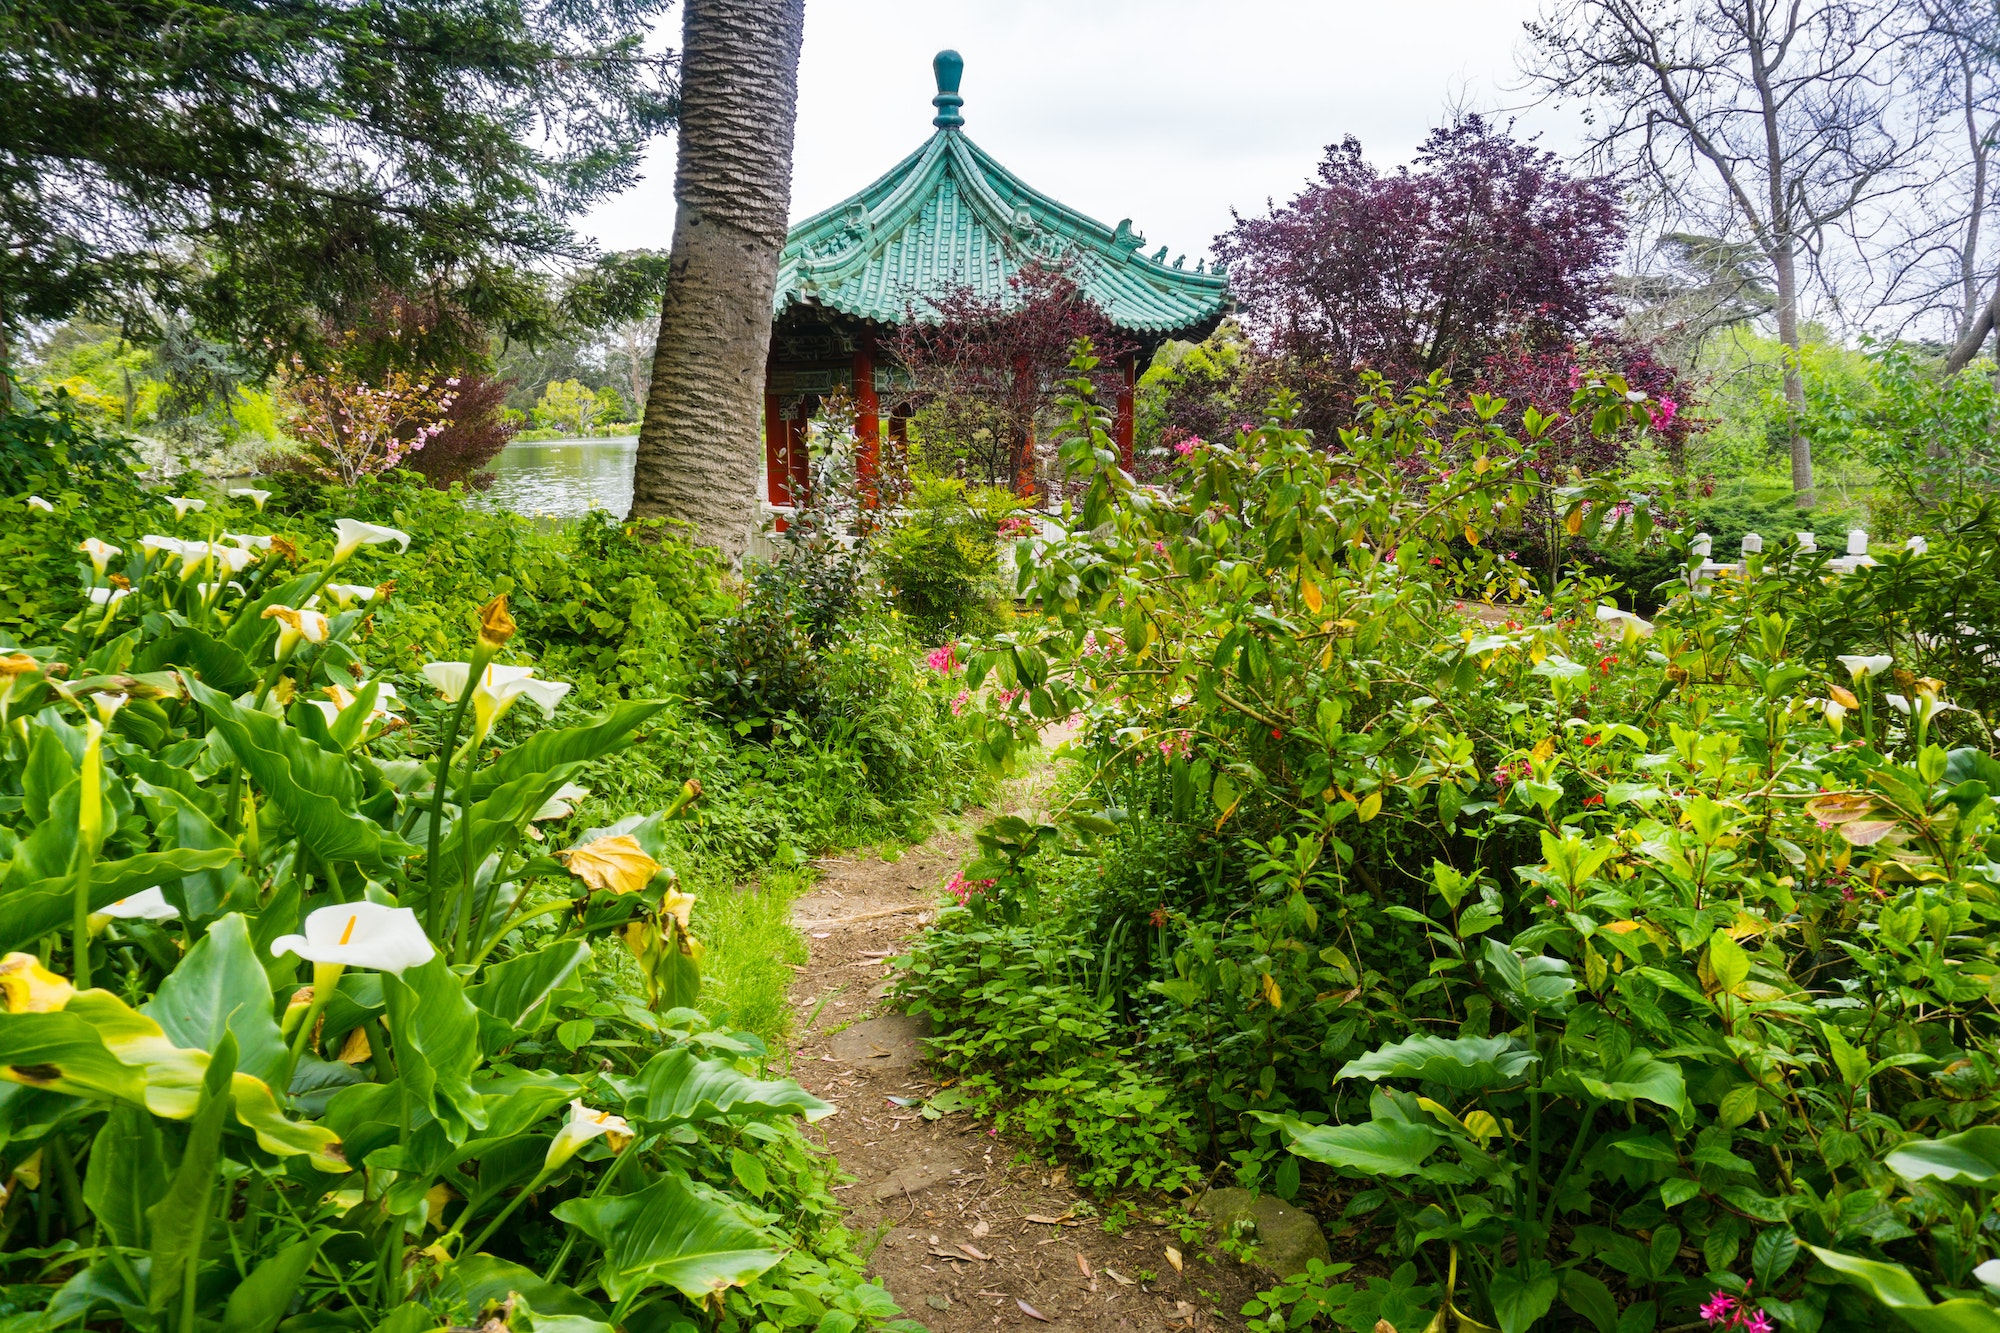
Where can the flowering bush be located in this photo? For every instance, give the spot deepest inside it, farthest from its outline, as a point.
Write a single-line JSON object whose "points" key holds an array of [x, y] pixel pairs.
{"points": [[353, 429]]}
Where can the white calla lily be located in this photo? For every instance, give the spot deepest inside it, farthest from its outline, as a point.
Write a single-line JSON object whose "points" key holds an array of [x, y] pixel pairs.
{"points": [[498, 689], [340, 699], [154, 544], [346, 594], [294, 626], [186, 504], [108, 596], [1863, 667], [363, 934], [582, 1126], [1988, 1274], [249, 541], [252, 494], [209, 590], [145, 905], [37, 503], [351, 534], [100, 553], [108, 703]]}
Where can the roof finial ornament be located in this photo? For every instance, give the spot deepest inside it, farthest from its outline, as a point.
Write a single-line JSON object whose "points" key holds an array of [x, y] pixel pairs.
{"points": [[948, 66]]}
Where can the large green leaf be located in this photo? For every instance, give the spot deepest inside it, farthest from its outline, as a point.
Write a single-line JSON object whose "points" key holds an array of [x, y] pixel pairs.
{"points": [[33, 910], [179, 1222], [679, 1085], [480, 1278], [437, 1042], [316, 789], [63, 1053], [516, 991], [1529, 983], [1375, 1147], [547, 750], [217, 664], [1520, 1300], [694, 1241], [221, 987], [1639, 1077], [1970, 1158], [127, 1175], [1892, 1286], [1461, 1063], [261, 1301], [180, 820]]}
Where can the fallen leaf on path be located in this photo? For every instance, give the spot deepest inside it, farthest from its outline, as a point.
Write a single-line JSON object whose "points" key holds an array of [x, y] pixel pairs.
{"points": [[1001, 1294], [1174, 1258], [976, 1252], [822, 934], [1118, 1277], [1064, 1221], [980, 1228], [1083, 1264], [936, 1253], [1182, 1310], [1030, 1310]]}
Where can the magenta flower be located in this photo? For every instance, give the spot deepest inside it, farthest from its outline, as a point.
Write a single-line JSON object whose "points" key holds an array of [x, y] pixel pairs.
{"points": [[942, 659], [1719, 1308]]}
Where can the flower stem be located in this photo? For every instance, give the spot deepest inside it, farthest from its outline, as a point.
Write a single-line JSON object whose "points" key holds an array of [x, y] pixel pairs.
{"points": [[481, 655]]}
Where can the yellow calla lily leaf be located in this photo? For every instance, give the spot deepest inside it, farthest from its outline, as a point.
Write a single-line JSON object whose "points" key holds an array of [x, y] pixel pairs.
{"points": [[617, 864]]}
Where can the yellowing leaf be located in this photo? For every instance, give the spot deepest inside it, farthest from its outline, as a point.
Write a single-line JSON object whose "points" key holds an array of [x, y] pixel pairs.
{"points": [[355, 1049], [1272, 995], [1309, 594], [1481, 1125], [1472, 534], [1573, 523], [1369, 808], [1545, 748], [1481, 463], [617, 864]]}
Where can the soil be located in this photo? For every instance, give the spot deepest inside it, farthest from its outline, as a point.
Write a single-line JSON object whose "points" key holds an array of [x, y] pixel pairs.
{"points": [[974, 1230]]}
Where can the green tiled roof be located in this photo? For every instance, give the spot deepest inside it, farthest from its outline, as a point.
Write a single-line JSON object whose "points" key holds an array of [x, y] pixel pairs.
{"points": [[949, 215]]}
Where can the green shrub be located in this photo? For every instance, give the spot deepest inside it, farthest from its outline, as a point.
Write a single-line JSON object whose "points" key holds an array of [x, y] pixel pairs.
{"points": [[1594, 967], [941, 562]]}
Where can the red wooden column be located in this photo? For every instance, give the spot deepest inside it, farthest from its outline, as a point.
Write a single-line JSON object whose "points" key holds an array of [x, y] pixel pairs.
{"points": [[867, 420], [1129, 364], [777, 454]]}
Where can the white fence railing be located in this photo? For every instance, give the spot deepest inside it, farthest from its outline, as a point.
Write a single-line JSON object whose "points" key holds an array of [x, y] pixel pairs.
{"points": [[1753, 544]]}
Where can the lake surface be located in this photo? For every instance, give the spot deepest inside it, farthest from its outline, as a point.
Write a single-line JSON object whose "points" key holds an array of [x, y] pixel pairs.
{"points": [[564, 478]]}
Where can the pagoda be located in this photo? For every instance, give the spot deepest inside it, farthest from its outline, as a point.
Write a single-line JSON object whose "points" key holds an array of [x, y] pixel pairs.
{"points": [[947, 216]]}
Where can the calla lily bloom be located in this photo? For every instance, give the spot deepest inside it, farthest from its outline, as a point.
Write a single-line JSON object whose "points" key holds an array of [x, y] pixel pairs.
{"points": [[108, 596], [563, 804], [346, 594], [100, 553], [208, 590], [145, 905], [582, 1126], [363, 934], [1862, 667], [296, 625], [339, 699], [351, 534], [185, 504], [154, 544], [1988, 1274], [498, 688], [679, 906], [36, 502], [108, 704], [249, 541], [252, 494], [30, 988]]}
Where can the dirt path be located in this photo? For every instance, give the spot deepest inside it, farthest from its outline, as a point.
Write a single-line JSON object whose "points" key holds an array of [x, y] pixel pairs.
{"points": [[974, 1231]]}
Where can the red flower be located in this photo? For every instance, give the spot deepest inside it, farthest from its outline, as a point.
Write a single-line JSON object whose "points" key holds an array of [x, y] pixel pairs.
{"points": [[1593, 800], [1592, 740]]}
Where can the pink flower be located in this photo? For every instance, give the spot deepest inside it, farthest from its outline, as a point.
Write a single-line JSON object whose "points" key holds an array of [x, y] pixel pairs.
{"points": [[1663, 415], [962, 888], [958, 704], [1758, 1322], [1719, 1308], [942, 659]]}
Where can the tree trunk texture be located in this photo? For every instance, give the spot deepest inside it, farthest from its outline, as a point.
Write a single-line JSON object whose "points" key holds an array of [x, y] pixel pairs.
{"points": [[1795, 384], [698, 445]]}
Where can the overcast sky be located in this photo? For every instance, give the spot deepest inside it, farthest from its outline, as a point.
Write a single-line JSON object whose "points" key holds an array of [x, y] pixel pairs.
{"points": [[1170, 112]]}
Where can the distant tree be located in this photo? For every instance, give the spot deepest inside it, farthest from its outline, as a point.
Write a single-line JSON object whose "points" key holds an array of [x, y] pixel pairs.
{"points": [[985, 370], [1708, 285], [1483, 242], [698, 444], [569, 405], [1771, 120], [352, 427], [258, 165]]}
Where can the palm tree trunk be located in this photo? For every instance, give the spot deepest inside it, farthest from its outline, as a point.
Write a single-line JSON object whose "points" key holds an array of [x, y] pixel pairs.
{"points": [[698, 443]]}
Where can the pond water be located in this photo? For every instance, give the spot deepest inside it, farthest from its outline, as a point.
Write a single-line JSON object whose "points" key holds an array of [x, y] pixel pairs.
{"points": [[564, 478]]}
